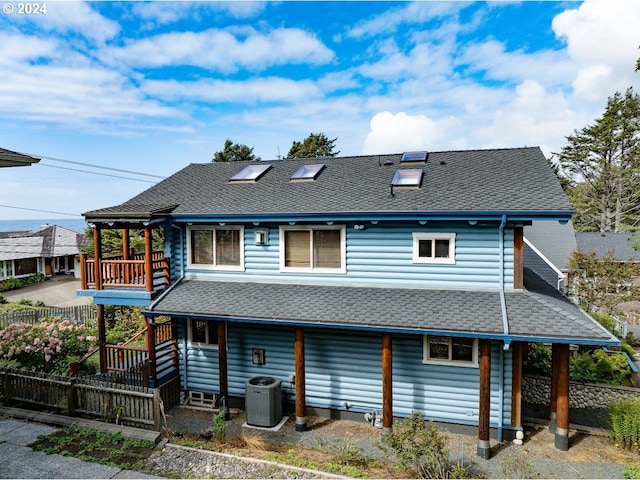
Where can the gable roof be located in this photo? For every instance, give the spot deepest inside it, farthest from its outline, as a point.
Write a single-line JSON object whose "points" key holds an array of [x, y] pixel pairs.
{"points": [[535, 314], [51, 241], [10, 158], [555, 240], [618, 245], [482, 182], [20, 247]]}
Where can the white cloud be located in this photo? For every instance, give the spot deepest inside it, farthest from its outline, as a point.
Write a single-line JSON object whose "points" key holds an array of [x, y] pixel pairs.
{"points": [[400, 133], [220, 50], [164, 13], [602, 37]]}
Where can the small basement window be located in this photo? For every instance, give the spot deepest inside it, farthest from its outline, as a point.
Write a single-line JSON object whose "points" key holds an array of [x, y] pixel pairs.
{"points": [[434, 247], [250, 173], [407, 177], [410, 157], [444, 350], [307, 172]]}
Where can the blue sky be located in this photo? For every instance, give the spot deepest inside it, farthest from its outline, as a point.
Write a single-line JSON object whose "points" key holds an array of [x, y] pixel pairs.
{"points": [[149, 87]]}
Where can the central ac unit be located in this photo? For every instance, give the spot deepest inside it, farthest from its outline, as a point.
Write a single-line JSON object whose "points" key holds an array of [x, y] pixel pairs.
{"points": [[263, 401]]}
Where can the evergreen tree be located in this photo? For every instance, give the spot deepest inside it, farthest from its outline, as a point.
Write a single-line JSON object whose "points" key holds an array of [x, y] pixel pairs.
{"points": [[603, 163], [234, 152], [315, 145]]}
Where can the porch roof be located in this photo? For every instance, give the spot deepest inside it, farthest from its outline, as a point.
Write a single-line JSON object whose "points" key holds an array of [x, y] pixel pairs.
{"points": [[532, 316]]}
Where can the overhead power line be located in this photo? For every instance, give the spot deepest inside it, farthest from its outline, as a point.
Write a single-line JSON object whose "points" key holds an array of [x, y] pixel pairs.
{"points": [[84, 164], [94, 173], [42, 211]]}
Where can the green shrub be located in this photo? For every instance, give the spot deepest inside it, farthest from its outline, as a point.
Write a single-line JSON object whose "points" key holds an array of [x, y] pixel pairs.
{"points": [[419, 443], [624, 416], [539, 360], [13, 283], [631, 471]]}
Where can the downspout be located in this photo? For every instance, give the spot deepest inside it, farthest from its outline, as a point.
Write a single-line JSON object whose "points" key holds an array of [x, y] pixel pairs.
{"points": [[505, 327]]}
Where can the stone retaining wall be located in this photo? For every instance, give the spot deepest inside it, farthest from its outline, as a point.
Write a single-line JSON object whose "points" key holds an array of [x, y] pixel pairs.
{"points": [[537, 390]]}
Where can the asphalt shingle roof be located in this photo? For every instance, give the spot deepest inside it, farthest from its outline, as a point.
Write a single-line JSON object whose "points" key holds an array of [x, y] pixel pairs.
{"points": [[618, 245], [477, 313], [498, 180]]}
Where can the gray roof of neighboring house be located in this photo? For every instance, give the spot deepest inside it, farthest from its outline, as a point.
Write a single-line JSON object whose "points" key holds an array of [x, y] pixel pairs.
{"points": [[9, 158], [51, 241], [532, 315], [617, 245], [475, 181], [556, 241]]}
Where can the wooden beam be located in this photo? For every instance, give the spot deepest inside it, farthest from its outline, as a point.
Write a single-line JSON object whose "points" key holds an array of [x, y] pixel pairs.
{"points": [[148, 259], [484, 414], [97, 264], [222, 367], [553, 402], [150, 343], [102, 338], [518, 258], [387, 384], [301, 408], [126, 253], [562, 422], [516, 384]]}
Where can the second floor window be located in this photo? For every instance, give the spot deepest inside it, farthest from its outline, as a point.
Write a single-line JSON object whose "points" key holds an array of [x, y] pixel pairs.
{"points": [[434, 247], [312, 248], [216, 247]]}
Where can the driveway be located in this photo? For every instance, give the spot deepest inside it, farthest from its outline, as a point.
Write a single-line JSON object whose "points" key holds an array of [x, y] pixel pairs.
{"points": [[57, 291]]}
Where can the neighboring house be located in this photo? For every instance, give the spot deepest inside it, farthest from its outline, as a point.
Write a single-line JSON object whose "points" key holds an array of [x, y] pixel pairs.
{"points": [[548, 248], [9, 158], [380, 283], [618, 246], [51, 250]]}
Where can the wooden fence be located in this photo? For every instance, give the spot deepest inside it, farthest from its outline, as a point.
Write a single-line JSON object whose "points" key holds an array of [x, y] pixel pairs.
{"points": [[87, 397], [77, 314]]}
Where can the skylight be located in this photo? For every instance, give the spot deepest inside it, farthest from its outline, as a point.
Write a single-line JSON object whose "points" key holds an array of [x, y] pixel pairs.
{"points": [[250, 173], [407, 177], [420, 156], [307, 172]]}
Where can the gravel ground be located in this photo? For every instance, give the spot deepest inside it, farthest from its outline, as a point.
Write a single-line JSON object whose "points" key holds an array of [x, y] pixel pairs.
{"points": [[589, 456]]}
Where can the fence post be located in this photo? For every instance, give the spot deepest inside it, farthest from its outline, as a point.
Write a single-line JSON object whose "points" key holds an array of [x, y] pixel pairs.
{"points": [[71, 397], [157, 413], [5, 386]]}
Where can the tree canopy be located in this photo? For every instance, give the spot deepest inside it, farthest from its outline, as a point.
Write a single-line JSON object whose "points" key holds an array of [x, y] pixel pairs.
{"points": [[234, 152], [602, 163], [315, 145]]}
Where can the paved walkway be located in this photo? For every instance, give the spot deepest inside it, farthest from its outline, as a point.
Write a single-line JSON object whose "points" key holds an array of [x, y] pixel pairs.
{"points": [[20, 461], [58, 291]]}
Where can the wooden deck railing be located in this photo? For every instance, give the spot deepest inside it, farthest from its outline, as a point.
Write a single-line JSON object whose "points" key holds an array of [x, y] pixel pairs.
{"points": [[116, 272]]}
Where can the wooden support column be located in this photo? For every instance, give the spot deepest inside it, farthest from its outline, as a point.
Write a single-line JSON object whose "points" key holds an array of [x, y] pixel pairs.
{"points": [[553, 401], [387, 384], [518, 258], [223, 369], [97, 264], [150, 342], [484, 415], [102, 337], [301, 408], [126, 254], [148, 259], [562, 421], [516, 384]]}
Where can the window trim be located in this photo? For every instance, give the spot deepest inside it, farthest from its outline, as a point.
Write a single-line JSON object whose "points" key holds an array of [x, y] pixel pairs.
{"points": [[191, 343], [213, 266], [311, 228], [421, 236], [439, 361]]}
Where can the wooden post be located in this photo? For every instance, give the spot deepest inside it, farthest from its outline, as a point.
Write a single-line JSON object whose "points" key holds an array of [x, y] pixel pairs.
{"points": [[516, 384], [301, 408], [387, 384], [150, 341], [125, 255], [562, 422], [97, 264], [553, 401], [518, 258], [157, 410], [484, 415], [102, 338], [222, 367], [148, 259], [83, 271], [71, 397]]}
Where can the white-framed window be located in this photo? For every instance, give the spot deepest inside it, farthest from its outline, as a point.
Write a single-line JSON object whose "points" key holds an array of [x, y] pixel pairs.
{"points": [[216, 247], [445, 350], [202, 333], [434, 247], [318, 249]]}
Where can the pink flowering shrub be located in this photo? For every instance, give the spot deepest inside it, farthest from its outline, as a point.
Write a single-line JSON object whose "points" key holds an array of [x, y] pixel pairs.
{"points": [[48, 346]]}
